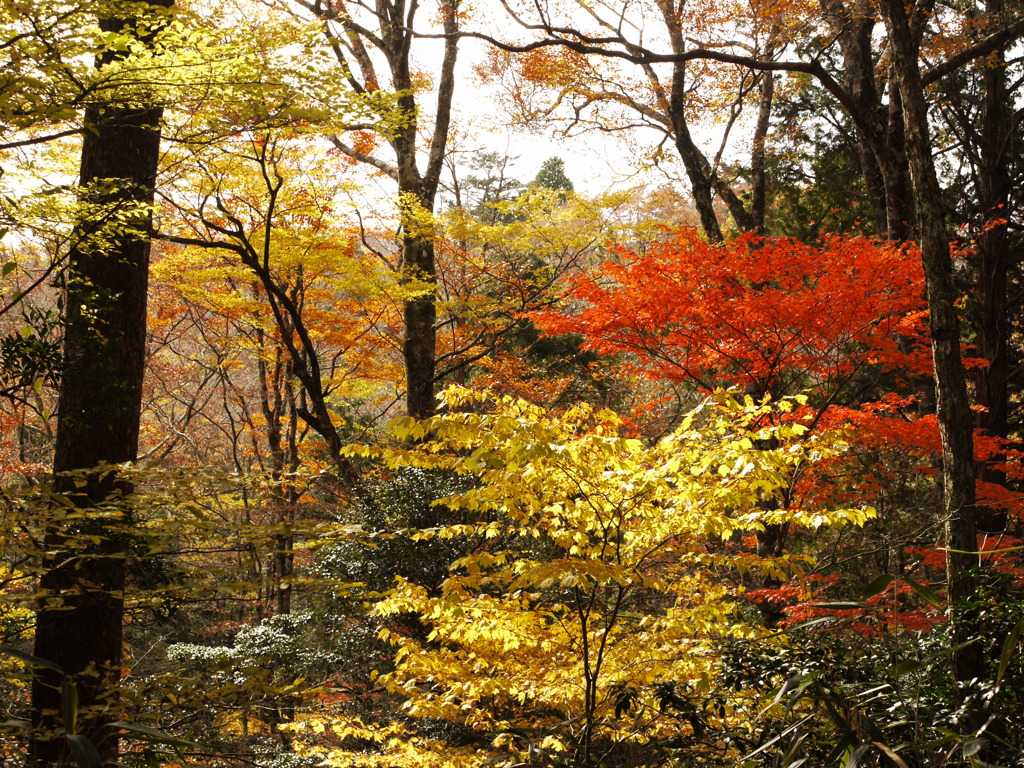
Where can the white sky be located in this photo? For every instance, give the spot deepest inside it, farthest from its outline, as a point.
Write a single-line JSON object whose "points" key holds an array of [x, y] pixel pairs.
{"points": [[594, 162]]}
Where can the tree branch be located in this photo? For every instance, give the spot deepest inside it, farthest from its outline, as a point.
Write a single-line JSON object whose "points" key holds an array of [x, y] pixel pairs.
{"points": [[362, 157]]}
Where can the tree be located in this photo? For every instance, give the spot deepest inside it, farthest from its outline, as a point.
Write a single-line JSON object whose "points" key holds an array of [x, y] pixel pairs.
{"points": [[577, 629], [496, 269], [976, 128], [357, 34], [905, 35], [47, 74], [952, 404], [766, 316], [552, 175], [79, 621], [481, 192], [770, 318], [574, 586], [666, 92], [248, 203], [807, 31]]}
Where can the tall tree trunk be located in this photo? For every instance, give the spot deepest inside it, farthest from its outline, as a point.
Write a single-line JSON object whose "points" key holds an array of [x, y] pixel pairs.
{"points": [[79, 619], [952, 404], [994, 261], [419, 344], [900, 194], [416, 189]]}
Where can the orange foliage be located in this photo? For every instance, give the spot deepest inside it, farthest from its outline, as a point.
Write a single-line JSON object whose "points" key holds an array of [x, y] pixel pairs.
{"points": [[512, 375], [766, 316], [11, 461], [842, 321], [557, 67], [365, 141], [897, 607]]}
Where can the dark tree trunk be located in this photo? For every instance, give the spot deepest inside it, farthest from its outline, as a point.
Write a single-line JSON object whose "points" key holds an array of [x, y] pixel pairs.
{"points": [[416, 189], [900, 209], [78, 623], [879, 126], [419, 343], [771, 543], [278, 404], [81, 608], [704, 181], [952, 404], [758, 176], [700, 185], [994, 262], [854, 33]]}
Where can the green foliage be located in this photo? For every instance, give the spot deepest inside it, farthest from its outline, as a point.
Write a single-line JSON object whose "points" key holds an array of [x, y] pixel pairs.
{"points": [[844, 693], [552, 176], [815, 177], [391, 512], [30, 357]]}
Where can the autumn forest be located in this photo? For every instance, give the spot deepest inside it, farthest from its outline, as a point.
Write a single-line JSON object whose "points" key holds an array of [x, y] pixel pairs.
{"points": [[355, 413]]}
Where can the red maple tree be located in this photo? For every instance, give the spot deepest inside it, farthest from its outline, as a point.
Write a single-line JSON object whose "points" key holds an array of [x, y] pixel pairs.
{"points": [[766, 316]]}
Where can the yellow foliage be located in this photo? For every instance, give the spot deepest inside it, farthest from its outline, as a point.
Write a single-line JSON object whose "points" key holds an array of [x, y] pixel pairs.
{"points": [[595, 570]]}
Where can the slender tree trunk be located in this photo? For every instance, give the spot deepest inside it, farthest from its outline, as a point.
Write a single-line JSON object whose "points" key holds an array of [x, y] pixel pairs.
{"points": [[278, 403], [952, 404], [758, 177], [704, 181], [419, 344], [396, 20], [900, 194], [79, 619], [700, 186]]}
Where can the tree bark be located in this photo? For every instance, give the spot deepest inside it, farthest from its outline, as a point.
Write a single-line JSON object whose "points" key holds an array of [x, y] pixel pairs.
{"points": [[419, 343], [852, 27], [704, 180], [952, 404], [879, 127], [698, 169], [81, 608], [994, 261], [758, 176]]}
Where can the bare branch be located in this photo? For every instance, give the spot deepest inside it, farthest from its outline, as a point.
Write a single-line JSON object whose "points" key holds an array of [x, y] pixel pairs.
{"points": [[362, 157]]}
